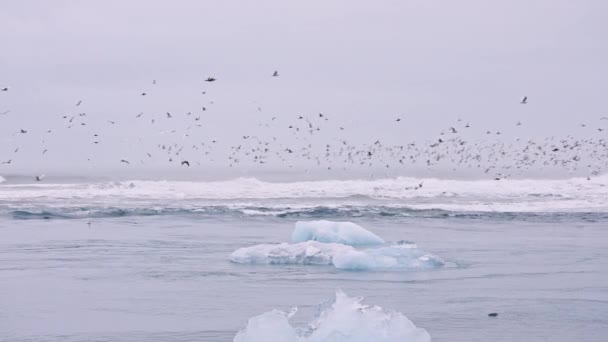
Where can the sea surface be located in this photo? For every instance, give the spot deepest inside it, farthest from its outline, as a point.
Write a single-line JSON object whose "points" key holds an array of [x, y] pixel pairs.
{"points": [[151, 260]]}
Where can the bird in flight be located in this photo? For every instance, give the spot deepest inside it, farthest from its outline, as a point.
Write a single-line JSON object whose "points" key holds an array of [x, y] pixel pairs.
{"points": [[185, 162], [5, 89], [39, 178], [275, 74], [524, 100], [210, 79], [124, 161]]}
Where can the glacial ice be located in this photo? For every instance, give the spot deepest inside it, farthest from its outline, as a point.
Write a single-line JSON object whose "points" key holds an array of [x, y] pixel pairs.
{"points": [[346, 233], [391, 257], [345, 320], [302, 253], [405, 256]]}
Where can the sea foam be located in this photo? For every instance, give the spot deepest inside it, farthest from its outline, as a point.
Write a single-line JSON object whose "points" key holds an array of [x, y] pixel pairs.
{"points": [[347, 319]]}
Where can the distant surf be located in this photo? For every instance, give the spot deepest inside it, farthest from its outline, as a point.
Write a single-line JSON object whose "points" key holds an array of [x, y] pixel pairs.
{"points": [[402, 196]]}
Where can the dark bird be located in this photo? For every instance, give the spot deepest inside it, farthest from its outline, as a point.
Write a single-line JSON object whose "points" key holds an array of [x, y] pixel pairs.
{"points": [[5, 112], [143, 94], [398, 119], [112, 122], [524, 100], [493, 314], [185, 162], [23, 131], [275, 74], [79, 103], [39, 178], [210, 79], [8, 161], [124, 161], [139, 115], [169, 116], [5, 89]]}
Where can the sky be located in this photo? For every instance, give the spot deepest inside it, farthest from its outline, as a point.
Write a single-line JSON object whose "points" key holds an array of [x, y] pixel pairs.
{"points": [[361, 63]]}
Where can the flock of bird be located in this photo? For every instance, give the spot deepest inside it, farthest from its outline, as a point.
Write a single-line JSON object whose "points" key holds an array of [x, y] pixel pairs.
{"points": [[304, 149]]}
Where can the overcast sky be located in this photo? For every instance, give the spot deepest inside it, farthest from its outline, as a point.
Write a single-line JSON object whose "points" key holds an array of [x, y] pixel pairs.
{"points": [[363, 63]]}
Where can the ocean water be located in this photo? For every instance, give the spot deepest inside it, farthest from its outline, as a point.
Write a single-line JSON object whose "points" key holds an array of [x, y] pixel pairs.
{"points": [[151, 260]]}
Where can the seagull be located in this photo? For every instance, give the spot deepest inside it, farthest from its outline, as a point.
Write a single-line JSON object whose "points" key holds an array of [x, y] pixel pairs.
{"points": [[124, 161], [143, 94], [5, 89], [493, 314], [39, 178], [5, 112], [23, 131], [79, 103], [8, 161], [210, 79], [398, 119], [185, 162], [524, 100], [275, 74], [139, 115]]}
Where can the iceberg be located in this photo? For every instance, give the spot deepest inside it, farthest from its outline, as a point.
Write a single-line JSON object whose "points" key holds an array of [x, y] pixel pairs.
{"points": [[346, 319], [346, 233], [405, 256], [303, 253]]}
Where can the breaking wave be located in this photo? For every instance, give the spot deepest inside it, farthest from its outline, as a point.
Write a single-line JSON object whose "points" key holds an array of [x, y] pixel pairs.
{"points": [[312, 199]]}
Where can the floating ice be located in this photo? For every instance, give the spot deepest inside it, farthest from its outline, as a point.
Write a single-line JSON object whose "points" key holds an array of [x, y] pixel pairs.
{"points": [[346, 233], [302, 253], [345, 320], [406, 256]]}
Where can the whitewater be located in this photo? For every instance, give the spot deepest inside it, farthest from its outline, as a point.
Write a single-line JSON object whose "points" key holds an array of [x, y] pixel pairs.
{"points": [[400, 259]]}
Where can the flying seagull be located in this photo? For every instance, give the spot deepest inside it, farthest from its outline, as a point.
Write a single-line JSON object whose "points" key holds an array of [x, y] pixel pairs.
{"points": [[39, 178], [275, 74], [5, 89], [210, 79], [185, 162], [124, 161], [524, 100], [79, 103]]}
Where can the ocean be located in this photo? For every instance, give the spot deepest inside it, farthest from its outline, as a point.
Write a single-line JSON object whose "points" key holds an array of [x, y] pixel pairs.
{"points": [[135, 260]]}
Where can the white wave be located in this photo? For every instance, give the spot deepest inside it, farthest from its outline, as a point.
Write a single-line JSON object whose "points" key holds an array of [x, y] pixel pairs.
{"points": [[346, 233], [347, 319], [575, 194]]}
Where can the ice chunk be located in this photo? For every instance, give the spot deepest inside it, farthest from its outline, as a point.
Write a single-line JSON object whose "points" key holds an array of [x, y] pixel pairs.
{"points": [[345, 320], [346, 233], [404, 256], [303, 253]]}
